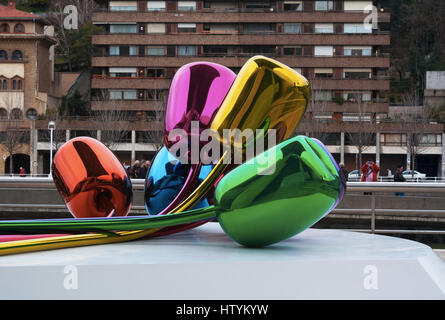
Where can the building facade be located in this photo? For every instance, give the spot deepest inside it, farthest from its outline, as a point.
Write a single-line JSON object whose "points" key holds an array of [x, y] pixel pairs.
{"points": [[25, 81], [341, 46]]}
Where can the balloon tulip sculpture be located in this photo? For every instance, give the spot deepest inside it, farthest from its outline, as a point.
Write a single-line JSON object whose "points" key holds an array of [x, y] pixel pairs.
{"points": [[267, 198]]}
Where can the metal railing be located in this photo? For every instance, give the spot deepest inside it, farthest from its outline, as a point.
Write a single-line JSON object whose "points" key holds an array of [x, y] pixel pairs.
{"points": [[371, 188]]}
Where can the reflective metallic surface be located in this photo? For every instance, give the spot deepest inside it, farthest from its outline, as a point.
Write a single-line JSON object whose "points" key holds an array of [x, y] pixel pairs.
{"points": [[196, 93], [91, 180], [258, 210], [255, 205], [266, 95], [166, 178]]}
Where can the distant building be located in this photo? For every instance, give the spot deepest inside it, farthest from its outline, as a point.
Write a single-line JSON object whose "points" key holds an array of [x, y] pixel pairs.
{"points": [[25, 79], [143, 43], [434, 94]]}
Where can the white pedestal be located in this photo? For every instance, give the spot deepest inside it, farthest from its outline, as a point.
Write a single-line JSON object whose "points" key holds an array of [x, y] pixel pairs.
{"points": [[205, 264]]}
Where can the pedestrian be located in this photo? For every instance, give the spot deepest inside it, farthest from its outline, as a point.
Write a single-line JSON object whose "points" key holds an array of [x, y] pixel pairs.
{"points": [[344, 171], [22, 172], [398, 177], [389, 173], [135, 169], [143, 171], [370, 171]]}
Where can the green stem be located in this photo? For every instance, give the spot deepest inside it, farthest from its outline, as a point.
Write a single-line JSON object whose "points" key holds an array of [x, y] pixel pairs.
{"points": [[106, 224]]}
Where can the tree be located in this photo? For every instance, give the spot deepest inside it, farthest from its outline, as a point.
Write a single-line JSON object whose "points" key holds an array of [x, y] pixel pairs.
{"points": [[74, 106], [415, 126], [361, 133], [75, 48], [14, 138], [155, 135], [111, 122], [315, 122], [418, 40]]}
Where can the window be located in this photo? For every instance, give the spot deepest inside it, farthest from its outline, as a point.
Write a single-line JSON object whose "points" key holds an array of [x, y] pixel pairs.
{"points": [[324, 51], [19, 28], [130, 95], [264, 50], [123, 6], [4, 28], [155, 51], [155, 27], [186, 50], [292, 28], [17, 55], [14, 85], [355, 117], [123, 28], [323, 95], [115, 94], [114, 50], [5, 85], [155, 73], [393, 139], [357, 73], [431, 140], [31, 113], [259, 28], [156, 94], [155, 5], [293, 5], [357, 51], [186, 5], [292, 51], [186, 27], [356, 28], [123, 50], [3, 114], [325, 5], [218, 50], [357, 96], [323, 73], [123, 72], [19, 84], [16, 114], [357, 5], [220, 27], [258, 4], [324, 28], [3, 55]]}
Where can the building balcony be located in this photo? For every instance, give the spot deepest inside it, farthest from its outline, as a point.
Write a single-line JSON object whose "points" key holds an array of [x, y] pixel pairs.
{"points": [[242, 39], [236, 61], [128, 105], [235, 16], [350, 84], [350, 107], [104, 82]]}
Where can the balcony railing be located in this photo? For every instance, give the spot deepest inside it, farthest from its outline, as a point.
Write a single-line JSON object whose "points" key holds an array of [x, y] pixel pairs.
{"points": [[271, 9]]}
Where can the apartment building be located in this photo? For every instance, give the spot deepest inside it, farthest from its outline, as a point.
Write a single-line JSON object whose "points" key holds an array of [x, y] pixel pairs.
{"points": [[25, 81], [342, 47]]}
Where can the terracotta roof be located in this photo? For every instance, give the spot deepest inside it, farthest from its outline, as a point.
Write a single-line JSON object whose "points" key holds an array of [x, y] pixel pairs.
{"points": [[8, 12]]}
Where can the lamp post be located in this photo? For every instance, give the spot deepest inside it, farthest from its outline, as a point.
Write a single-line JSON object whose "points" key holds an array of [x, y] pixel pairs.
{"points": [[51, 128]]}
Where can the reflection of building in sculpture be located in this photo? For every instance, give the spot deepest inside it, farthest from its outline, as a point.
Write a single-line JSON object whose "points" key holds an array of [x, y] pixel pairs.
{"points": [[25, 81]]}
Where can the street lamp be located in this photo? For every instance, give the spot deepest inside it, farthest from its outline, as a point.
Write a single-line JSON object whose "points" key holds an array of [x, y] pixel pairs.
{"points": [[51, 128]]}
